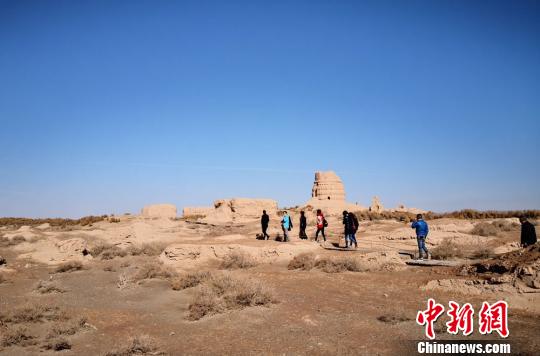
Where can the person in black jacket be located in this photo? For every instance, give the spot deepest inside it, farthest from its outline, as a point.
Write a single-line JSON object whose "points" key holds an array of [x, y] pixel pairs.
{"points": [[265, 219], [528, 232], [303, 226]]}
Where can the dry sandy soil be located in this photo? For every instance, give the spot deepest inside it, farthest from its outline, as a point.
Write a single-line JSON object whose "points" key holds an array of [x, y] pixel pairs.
{"points": [[130, 287]]}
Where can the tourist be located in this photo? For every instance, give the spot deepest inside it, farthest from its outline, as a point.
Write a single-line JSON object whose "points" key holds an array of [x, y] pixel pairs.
{"points": [[286, 226], [265, 219], [346, 228], [421, 233], [303, 226], [321, 224], [353, 222], [528, 232]]}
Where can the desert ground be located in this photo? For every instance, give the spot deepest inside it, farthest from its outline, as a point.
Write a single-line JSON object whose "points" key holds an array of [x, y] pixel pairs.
{"points": [[132, 285]]}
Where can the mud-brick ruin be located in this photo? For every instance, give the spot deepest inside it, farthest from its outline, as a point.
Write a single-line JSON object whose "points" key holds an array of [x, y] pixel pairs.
{"points": [[328, 186]]}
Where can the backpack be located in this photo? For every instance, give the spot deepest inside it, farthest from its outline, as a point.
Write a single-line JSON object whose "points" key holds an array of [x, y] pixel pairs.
{"points": [[355, 221], [325, 223]]}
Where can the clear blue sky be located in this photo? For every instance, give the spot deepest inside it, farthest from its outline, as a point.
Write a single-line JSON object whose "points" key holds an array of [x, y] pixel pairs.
{"points": [[106, 106]]}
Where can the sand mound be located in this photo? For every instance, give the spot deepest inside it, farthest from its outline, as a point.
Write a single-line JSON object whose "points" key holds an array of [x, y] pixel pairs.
{"points": [[467, 287], [191, 256], [52, 251]]}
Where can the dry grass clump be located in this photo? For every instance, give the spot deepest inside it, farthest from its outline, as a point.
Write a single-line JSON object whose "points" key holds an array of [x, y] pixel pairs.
{"points": [[224, 292], [57, 344], [2, 261], [148, 249], [33, 314], [447, 249], [189, 280], [106, 251], [70, 266], [485, 229], [154, 270], [483, 251], [18, 336], [340, 264], [109, 268], [304, 261], [139, 345], [62, 329], [238, 259], [46, 287], [58, 222], [393, 319], [15, 240]]}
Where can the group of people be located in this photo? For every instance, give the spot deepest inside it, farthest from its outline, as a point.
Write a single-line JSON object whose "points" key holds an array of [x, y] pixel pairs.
{"points": [[350, 223], [528, 234]]}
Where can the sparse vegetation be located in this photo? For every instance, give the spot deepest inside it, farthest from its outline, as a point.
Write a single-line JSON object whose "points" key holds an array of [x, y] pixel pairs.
{"points": [[57, 222], [154, 270], [224, 292], [189, 280], [57, 344], [46, 287], [19, 336], [70, 266], [304, 261], [461, 214], [15, 240], [393, 319], [328, 264], [493, 228], [106, 251], [340, 264], [109, 268], [139, 345], [447, 249], [2, 261], [33, 314], [238, 259], [482, 251], [148, 249], [63, 329]]}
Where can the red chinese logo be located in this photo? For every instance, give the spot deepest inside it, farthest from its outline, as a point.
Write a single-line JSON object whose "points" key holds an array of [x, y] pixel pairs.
{"points": [[494, 318], [430, 316], [461, 318]]}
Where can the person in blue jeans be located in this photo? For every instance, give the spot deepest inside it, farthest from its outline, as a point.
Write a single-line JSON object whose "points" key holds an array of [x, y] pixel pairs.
{"points": [[286, 226], [422, 230]]}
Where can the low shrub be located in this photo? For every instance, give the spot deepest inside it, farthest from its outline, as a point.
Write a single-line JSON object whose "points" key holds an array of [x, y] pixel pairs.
{"points": [[482, 251], [46, 287], [224, 292], [106, 251], [139, 345], [340, 264], [447, 249], [148, 249], [189, 280], [154, 270], [70, 266], [236, 259], [33, 314], [18, 336], [66, 329], [304, 261], [57, 344], [485, 229]]}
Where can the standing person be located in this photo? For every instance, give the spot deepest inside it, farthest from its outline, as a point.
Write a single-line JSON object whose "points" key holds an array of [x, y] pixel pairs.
{"points": [[346, 228], [303, 226], [321, 224], [422, 230], [265, 219], [528, 232], [286, 226], [353, 222]]}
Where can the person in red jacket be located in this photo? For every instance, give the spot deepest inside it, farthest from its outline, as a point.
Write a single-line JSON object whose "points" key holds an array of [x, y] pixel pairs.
{"points": [[321, 224]]}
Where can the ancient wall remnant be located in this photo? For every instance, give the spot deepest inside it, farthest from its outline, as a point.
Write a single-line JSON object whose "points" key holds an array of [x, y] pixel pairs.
{"points": [[159, 211], [328, 186], [376, 206]]}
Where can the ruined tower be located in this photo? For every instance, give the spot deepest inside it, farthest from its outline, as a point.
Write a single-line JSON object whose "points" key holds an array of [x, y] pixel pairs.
{"points": [[328, 186]]}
